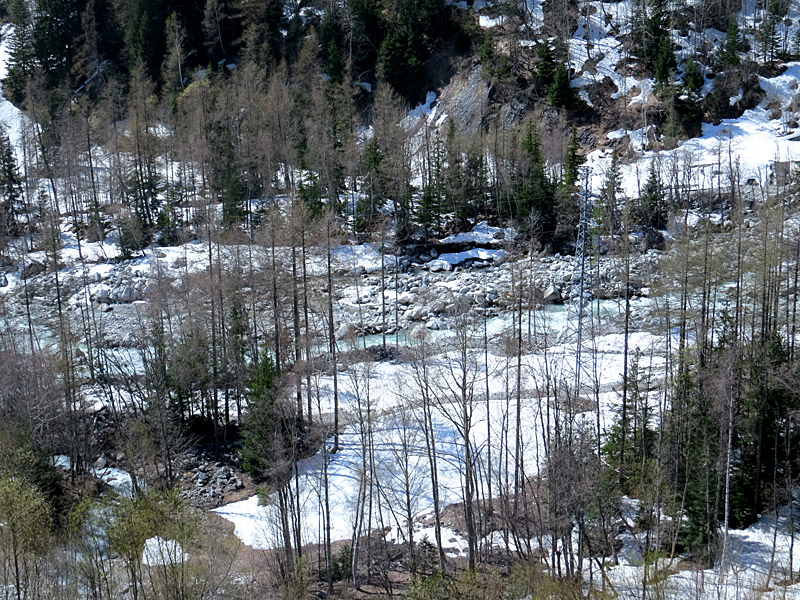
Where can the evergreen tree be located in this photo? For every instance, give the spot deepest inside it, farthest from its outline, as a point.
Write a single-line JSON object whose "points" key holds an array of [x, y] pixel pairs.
{"points": [[573, 161], [606, 209], [145, 41], [267, 429], [652, 203], [373, 191], [730, 49], [22, 59], [546, 64], [332, 43], [401, 61], [366, 34], [10, 189], [693, 79], [651, 29], [560, 93], [487, 54], [665, 63], [429, 208], [535, 203]]}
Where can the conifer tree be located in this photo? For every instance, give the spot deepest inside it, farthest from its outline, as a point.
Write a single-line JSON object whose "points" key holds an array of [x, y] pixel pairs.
{"points": [[730, 49], [373, 192], [560, 93], [665, 63], [535, 205], [22, 59], [10, 189], [265, 429], [693, 78], [606, 209], [652, 208]]}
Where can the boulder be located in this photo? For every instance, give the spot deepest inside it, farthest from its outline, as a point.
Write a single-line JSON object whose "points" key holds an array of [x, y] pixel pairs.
{"points": [[346, 331], [33, 269], [552, 295]]}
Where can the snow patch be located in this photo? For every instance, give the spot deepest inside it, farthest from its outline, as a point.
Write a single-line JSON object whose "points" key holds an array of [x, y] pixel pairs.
{"points": [[159, 552]]}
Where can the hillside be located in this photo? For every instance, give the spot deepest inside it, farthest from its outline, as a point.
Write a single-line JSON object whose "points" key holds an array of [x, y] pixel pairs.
{"points": [[418, 298]]}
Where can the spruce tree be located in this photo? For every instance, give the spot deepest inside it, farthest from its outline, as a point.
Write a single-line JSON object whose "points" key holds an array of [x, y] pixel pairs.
{"points": [[573, 161], [652, 203], [730, 49], [693, 79], [560, 93], [606, 209], [372, 193], [266, 430], [10, 187], [535, 193], [546, 64], [665, 63]]}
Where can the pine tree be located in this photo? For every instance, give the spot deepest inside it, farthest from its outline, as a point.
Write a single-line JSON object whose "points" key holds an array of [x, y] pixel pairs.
{"points": [[652, 206], [266, 430], [372, 194], [22, 59], [665, 63], [606, 209], [730, 49], [693, 79], [573, 161], [10, 188], [560, 93]]}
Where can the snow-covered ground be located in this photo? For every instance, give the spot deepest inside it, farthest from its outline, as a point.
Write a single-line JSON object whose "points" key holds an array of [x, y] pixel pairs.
{"points": [[159, 552], [384, 397]]}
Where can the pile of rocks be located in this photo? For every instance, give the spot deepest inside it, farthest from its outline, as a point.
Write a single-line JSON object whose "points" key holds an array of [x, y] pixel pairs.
{"points": [[210, 483]]}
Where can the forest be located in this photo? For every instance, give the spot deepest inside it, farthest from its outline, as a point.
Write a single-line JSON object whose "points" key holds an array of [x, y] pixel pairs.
{"points": [[415, 298]]}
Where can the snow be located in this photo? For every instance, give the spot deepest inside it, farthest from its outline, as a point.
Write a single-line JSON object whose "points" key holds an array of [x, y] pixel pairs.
{"points": [[752, 143], [388, 391], [121, 481], [483, 234], [448, 260], [364, 256], [638, 137], [751, 563], [488, 22], [159, 552], [422, 110]]}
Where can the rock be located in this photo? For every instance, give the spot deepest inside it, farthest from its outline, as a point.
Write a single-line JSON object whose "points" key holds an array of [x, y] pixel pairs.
{"points": [[346, 331], [552, 295], [3, 280], [418, 313], [127, 294], [33, 269], [101, 463], [435, 324], [438, 306], [405, 298], [419, 332]]}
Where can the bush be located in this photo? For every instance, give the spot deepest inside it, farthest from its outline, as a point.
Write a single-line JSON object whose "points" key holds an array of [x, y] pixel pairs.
{"points": [[342, 563], [432, 587]]}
